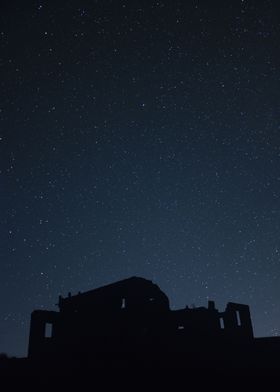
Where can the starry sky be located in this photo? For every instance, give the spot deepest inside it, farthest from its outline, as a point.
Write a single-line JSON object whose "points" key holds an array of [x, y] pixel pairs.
{"points": [[139, 138]]}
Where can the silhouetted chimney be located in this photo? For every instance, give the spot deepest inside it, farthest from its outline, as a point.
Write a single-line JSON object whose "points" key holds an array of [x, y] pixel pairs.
{"points": [[211, 305]]}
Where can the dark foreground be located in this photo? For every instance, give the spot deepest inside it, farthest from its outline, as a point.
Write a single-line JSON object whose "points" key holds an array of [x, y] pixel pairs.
{"points": [[261, 357]]}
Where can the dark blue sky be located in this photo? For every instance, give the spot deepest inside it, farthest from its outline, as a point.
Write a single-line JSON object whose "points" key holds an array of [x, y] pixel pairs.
{"points": [[139, 138]]}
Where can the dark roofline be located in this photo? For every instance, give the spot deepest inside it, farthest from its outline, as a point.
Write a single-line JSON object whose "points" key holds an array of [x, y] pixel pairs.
{"points": [[119, 283]]}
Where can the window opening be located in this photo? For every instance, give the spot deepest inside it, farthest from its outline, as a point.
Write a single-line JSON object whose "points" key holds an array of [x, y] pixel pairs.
{"points": [[238, 318], [48, 330], [222, 324]]}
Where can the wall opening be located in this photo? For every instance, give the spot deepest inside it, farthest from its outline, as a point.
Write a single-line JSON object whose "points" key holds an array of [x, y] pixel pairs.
{"points": [[238, 318], [222, 323], [48, 330], [123, 303]]}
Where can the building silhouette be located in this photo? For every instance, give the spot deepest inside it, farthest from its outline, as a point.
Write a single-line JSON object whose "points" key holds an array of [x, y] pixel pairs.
{"points": [[128, 326], [133, 316]]}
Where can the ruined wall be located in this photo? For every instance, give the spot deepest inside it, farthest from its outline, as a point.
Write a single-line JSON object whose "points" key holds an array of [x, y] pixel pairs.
{"points": [[130, 313], [42, 331]]}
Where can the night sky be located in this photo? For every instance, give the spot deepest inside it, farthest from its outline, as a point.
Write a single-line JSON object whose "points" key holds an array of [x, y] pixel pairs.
{"points": [[139, 138]]}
